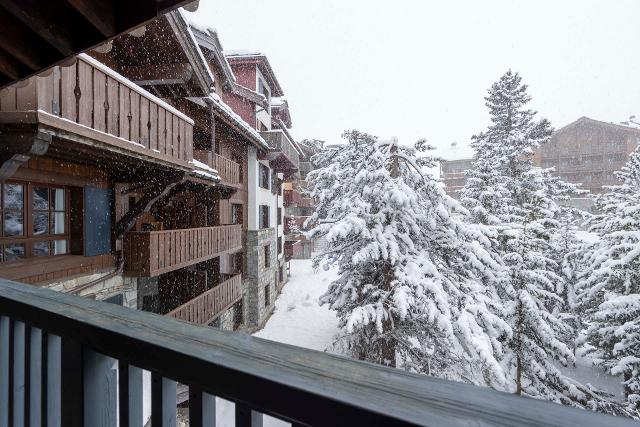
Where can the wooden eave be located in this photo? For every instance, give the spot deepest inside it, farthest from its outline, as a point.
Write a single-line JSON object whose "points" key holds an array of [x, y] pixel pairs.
{"points": [[38, 34]]}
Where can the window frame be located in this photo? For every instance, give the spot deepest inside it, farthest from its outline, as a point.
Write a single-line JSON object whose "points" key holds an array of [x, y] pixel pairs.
{"points": [[264, 216], [28, 239], [267, 181]]}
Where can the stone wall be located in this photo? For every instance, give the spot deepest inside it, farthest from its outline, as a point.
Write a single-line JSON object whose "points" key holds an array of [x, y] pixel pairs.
{"points": [[259, 281]]}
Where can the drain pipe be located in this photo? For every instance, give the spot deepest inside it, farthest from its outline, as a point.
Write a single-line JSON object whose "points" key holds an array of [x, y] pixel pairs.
{"points": [[107, 276]]}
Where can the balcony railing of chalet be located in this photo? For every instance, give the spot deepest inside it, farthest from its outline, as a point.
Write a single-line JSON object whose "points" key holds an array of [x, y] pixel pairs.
{"points": [[73, 361], [282, 145], [294, 198], [206, 307], [228, 170], [91, 100], [305, 168], [151, 253]]}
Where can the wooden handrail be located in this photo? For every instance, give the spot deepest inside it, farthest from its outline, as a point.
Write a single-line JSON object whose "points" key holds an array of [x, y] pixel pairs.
{"points": [[81, 340], [228, 170]]}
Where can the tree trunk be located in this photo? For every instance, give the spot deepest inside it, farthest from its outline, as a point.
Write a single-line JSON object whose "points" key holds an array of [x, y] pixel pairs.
{"points": [[518, 376]]}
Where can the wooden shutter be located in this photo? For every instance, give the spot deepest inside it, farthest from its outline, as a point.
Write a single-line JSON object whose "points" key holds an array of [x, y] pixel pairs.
{"points": [[97, 221]]}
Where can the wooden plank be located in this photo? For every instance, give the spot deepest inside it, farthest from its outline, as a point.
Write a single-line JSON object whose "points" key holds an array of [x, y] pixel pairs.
{"points": [[67, 96], [153, 130], [100, 389], [113, 106], [163, 401], [99, 101], [71, 393], [135, 117], [54, 380], [162, 131], [4, 371], [18, 383], [85, 102], [145, 123], [124, 110], [35, 377]]}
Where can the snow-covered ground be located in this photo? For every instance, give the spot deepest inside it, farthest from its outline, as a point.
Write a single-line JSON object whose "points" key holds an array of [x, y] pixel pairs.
{"points": [[298, 318]]}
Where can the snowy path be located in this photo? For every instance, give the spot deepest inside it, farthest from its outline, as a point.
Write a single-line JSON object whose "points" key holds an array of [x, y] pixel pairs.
{"points": [[298, 319]]}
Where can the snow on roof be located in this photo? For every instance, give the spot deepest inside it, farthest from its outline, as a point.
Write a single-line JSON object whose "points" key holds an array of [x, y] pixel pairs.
{"points": [[122, 79], [278, 101], [454, 151], [243, 52], [203, 60], [238, 120]]}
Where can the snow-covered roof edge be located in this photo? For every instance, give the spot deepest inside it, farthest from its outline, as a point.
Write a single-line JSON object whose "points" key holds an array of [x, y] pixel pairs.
{"points": [[228, 111]]}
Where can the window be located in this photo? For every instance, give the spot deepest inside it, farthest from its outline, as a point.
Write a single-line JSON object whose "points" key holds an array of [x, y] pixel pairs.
{"points": [[279, 216], [281, 274], [267, 295], [279, 245], [33, 220], [267, 256], [264, 216], [264, 177], [236, 213], [262, 88]]}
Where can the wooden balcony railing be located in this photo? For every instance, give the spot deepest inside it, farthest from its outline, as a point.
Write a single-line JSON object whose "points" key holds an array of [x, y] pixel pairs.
{"points": [[228, 170], [73, 361], [204, 308], [283, 149], [93, 101], [151, 253]]}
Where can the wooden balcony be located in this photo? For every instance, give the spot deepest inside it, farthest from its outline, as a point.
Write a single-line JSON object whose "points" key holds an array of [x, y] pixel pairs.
{"points": [[283, 156], [73, 361], [228, 170], [90, 105], [294, 198], [151, 253], [206, 307]]}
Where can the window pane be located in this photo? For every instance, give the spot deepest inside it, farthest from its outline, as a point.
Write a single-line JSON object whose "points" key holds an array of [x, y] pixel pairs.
{"points": [[40, 223], [41, 198], [41, 249], [57, 195], [59, 247], [13, 196], [13, 223], [14, 251], [57, 223]]}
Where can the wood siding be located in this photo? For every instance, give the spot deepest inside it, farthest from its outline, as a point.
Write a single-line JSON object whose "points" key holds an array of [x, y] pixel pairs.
{"points": [[207, 306], [151, 253], [94, 98]]}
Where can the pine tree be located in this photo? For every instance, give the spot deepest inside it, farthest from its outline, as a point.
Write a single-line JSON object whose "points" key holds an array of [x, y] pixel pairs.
{"points": [[518, 201], [409, 292], [611, 283]]}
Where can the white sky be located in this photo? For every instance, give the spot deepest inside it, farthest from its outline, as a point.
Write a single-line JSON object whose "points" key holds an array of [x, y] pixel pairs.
{"points": [[415, 69]]}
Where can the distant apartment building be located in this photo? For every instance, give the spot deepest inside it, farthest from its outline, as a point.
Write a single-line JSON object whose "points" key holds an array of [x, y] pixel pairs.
{"points": [[299, 206], [452, 174], [585, 152]]}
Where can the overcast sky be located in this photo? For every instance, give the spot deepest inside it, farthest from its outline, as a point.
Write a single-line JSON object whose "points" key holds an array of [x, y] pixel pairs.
{"points": [[415, 69]]}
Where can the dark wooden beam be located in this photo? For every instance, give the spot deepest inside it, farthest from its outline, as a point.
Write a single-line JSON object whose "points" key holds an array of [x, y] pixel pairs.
{"points": [[30, 51], [100, 13], [47, 22], [16, 148], [158, 188], [9, 66]]}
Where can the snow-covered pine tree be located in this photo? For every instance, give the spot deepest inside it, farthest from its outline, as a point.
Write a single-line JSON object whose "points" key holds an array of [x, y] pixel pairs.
{"points": [[408, 292], [517, 199], [612, 282]]}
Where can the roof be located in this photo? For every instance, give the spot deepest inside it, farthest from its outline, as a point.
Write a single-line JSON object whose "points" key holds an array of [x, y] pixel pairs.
{"points": [[585, 119], [280, 107], [260, 59]]}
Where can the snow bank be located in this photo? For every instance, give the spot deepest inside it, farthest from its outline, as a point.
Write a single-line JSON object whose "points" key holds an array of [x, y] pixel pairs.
{"points": [[298, 319]]}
